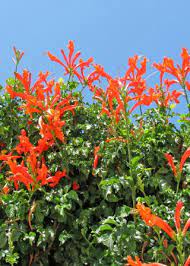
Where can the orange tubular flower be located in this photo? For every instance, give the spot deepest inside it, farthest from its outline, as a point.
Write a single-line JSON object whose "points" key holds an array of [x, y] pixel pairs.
{"points": [[37, 100], [180, 73], [6, 157], [89, 79], [131, 262], [177, 215], [75, 186], [5, 190], [24, 146], [54, 180], [187, 85], [20, 174], [32, 172], [120, 91], [186, 227], [187, 263], [53, 128], [137, 262], [184, 158], [170, 160], [153, 220], [70, 64], [33, 175], [96, 157], [44, 144], [163, 95]]}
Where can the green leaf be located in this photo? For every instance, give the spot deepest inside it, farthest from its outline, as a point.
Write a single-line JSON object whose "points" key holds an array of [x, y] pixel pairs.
{"points": [[109, 220], [105, 227], [123, 211], [106, 240], [73, 195], [109, 182], [12, 258], [64, 236], [31, 237], [3, 238]]}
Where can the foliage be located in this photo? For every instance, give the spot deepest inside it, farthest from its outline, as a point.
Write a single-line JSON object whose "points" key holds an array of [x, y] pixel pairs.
{"points": [[75, 176]]}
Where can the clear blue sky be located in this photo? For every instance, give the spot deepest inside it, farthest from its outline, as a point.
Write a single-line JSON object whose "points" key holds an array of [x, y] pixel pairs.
{"points": [[108, 30]]}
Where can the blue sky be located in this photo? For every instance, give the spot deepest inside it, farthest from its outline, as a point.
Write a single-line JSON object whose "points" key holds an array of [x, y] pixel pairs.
{"points": [[108, 30]]}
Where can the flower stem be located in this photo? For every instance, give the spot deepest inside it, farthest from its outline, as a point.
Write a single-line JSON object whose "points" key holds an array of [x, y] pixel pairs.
{"points": [[178, 182], [181, 255], [186, 96]]}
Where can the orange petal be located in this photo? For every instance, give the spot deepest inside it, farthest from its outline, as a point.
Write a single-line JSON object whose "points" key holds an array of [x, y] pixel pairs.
{"points": [[170, 160], [184, 158], [177, 215], [186, 227]]}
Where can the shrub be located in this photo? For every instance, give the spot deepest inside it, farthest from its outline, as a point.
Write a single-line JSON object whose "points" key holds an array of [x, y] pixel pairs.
{"points": [[72, 171]]}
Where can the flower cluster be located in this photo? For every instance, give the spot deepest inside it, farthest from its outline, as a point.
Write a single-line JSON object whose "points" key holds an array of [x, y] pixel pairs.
{"points": [[132, 88], [153, 220], [42, 100]]}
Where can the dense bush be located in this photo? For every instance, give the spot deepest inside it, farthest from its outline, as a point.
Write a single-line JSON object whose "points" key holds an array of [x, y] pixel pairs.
{"points": [[76, 176]]}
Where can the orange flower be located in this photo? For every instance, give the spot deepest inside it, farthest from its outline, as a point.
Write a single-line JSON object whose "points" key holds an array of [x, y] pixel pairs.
{"points": [[44, 144], [70, 64], [177, 215], [186, 227], [96, 157], [143, 100], [100, 70], [9, 156], [112, 103], [137, 262], [54, 180], [53, 127], [134, 72], [89, 79], [37, 100], [75, 186], [179, 72], [35, 172], [184, 158], [131, 262], [187, 83], [20, 174], [24, 146], [120, 91], [153, 220], [170, 160], [187, 263], [5, 189]]}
